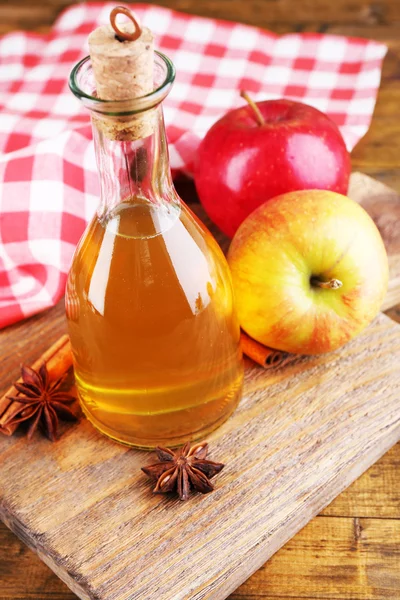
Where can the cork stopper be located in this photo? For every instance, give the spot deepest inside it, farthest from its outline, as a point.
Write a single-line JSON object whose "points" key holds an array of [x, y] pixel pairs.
{"points": [[122, 59]]}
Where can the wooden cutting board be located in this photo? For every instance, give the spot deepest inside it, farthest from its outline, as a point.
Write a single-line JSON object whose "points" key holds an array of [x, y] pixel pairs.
{"points": [[299, 437]]}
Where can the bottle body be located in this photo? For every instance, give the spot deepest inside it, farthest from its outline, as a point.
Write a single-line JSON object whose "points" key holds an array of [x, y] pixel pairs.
{"points": [[153, 329]]}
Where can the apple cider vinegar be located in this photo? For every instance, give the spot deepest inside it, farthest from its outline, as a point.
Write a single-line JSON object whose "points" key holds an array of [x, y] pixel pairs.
{"points": [[155, 338]]}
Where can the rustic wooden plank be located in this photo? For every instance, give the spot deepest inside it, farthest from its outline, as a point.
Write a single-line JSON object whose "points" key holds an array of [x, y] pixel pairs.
{"points": [[383, 205], [261, 12], [338, 559], [386, 133], [371, 22], [26, 340], [394, 313], [298, 438], [24, 576], [375, 494], [384, 32]]}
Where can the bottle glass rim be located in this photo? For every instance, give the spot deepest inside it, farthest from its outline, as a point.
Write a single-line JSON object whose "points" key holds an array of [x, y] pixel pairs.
{"points": [[130, 105]]}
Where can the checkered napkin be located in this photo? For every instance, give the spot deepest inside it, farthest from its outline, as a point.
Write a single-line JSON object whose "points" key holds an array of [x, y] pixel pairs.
{"points": [[48, 182]]}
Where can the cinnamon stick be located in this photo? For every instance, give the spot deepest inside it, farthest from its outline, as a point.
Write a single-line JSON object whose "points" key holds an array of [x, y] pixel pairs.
{"points": [[262, 355], [58, 359]]}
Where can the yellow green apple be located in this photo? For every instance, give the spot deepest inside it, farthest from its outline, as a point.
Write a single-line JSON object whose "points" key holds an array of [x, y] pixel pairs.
{"points": [[309, 271]]}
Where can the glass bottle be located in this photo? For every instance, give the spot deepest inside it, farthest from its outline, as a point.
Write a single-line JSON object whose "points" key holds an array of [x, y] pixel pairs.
{"points": [[154, 333]]}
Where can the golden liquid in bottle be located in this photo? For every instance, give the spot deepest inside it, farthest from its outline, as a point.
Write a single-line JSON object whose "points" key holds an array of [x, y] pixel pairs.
{"points": [[154, 335]]}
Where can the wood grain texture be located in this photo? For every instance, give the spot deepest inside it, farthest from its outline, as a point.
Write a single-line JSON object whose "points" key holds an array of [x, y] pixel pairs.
{"points": [[383, 205], [22, 575], [375, 494], [299, 437], [338, 559], [264, 13]]}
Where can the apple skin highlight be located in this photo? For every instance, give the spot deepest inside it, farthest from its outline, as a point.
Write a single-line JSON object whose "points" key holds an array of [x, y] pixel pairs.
{"points": [[242, 162], [288, 245]]}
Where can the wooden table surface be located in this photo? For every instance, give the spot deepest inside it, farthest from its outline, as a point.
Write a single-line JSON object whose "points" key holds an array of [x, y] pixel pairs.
{"points": [[352, 550]]}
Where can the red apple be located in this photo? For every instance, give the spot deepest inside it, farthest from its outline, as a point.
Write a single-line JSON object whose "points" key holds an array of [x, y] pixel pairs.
{"points": [[262, 150], [309, 271]]}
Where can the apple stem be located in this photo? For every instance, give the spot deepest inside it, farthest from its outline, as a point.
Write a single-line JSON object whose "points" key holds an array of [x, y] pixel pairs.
{"points": [[332, 284], [259, 118]]}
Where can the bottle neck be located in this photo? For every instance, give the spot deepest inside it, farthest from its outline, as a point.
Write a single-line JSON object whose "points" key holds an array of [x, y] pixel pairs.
{"points": [[137, 168]]}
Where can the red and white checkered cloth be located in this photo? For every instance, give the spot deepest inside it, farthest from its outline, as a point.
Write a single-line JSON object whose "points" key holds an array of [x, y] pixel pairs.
{"points": [[48, 182]]}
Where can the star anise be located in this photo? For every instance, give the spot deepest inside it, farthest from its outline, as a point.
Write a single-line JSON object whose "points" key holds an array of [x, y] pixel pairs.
{"points": [[41, 402], [183, 470]]}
